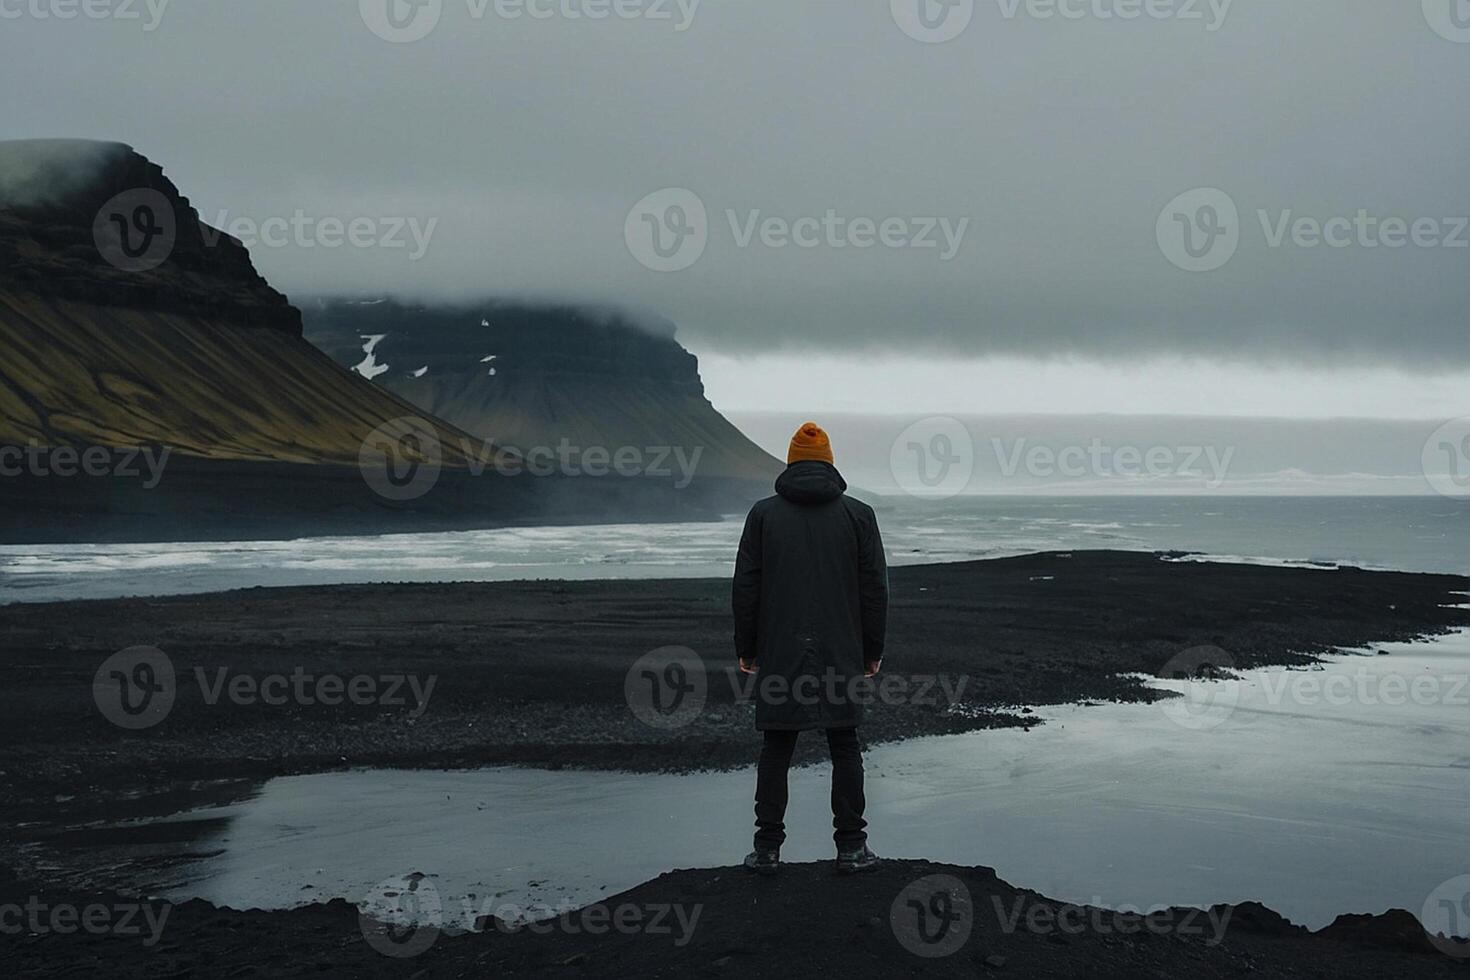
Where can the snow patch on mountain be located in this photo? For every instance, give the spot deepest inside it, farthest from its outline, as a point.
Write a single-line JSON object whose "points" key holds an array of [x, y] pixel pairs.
{"points": [[369, 367]]}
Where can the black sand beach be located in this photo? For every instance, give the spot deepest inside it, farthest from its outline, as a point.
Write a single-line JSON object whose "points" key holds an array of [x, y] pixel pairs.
{"points": [[807, 922], [533, 673]]}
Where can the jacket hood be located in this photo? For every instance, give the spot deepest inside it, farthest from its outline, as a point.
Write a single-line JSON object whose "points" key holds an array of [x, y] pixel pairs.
{"points": [[811, 482]]}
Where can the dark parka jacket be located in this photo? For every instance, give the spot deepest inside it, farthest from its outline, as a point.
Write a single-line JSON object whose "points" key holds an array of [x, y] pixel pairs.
{"points": [[811, 601]]}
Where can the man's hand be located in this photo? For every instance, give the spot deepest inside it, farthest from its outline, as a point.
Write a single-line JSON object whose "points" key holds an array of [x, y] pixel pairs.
{"points": [[871, 670], [747, 666]]}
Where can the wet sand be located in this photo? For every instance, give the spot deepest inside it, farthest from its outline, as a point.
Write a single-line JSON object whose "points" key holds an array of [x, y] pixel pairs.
{"points": [[533, 674]]}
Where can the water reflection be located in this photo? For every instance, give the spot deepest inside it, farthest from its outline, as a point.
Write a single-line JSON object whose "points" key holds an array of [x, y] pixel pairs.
{"points": [[1314, 803]]}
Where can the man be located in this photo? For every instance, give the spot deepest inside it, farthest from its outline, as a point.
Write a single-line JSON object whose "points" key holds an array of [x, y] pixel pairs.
{"points": [[811, 609]]}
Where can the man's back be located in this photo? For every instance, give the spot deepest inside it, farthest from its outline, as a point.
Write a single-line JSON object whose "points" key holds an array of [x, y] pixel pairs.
{"points": [[810, 596]]}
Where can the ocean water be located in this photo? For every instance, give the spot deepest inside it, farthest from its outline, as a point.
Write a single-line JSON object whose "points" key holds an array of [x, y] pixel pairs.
{"points": [[1408, 533], [1344, 788]]}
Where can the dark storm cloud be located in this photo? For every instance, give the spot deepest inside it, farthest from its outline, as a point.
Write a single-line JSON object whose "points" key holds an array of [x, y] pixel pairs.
{"points": [[1036, 151]]}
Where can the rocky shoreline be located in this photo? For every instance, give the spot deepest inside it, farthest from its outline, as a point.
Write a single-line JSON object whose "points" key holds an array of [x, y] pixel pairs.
{"points": [[909, 918]]}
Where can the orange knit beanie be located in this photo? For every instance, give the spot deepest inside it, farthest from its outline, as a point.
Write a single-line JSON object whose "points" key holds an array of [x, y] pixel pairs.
{"points": [[810, 442]]}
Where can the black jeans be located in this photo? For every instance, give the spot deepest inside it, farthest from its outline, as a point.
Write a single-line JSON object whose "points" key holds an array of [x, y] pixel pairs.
{"points": [[848, 802]]}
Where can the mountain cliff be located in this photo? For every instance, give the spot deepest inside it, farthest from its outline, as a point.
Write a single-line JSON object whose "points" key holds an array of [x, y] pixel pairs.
{"points": [[98, 223], [529, 376], [130, 329], [196, 352]]}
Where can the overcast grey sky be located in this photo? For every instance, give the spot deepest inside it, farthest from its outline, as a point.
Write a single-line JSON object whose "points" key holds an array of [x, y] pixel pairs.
{"points": [[1043, 150]]}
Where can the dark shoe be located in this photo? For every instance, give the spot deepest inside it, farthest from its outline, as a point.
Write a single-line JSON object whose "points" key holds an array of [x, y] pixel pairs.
{"points": [[854, 862], [763, 862]]}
